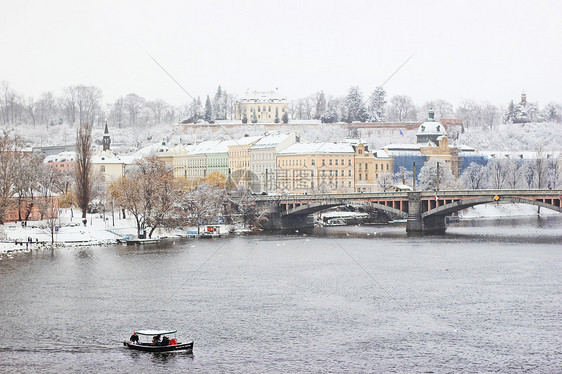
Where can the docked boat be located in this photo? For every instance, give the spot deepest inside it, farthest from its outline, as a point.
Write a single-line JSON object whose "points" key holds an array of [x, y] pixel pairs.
{"points": [[137, 241], [209, 232], [335, 222], [157, 341]]}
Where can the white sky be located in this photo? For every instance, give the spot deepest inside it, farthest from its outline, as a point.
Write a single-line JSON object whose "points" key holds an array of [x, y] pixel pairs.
{"points": [[482, 50]]}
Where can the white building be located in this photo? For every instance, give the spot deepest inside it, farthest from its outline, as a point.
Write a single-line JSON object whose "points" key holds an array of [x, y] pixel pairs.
{"points": [[263, 162]]}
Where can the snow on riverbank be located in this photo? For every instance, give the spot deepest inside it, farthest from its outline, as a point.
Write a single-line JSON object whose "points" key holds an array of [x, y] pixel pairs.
{"points": [[503, 210]]}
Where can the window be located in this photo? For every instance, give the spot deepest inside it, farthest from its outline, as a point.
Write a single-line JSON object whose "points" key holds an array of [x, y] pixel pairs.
{"points": [[376, 166], [323, 162], [102, 168], [336, 173], [366, 164], [331, 173], [359, 166], [330, 162], [349, 162], [359, 176], [349, 172], [386, 167], [336, 161], [313, 162]]}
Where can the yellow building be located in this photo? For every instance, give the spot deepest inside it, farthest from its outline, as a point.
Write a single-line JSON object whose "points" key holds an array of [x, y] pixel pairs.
{"points": [[373, 170], [239, 160], [315, 167], [261, 107], [109, 166]]}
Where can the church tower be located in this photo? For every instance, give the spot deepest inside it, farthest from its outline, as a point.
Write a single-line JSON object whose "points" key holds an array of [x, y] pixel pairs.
{"points": [[106, 141]]}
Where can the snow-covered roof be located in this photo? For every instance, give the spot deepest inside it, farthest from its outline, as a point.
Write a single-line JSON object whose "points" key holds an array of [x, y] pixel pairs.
{"points": [[107, 159], [271, 141], [222, 147], [313, 148], [431, 128], [379, 153], [246, 140], [208, 146], [262, 97], [67, 156]]}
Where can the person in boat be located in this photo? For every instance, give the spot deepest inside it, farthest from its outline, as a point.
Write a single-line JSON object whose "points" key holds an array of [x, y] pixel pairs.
{"points": [[134, 338], [165, 341], [156, 340]]}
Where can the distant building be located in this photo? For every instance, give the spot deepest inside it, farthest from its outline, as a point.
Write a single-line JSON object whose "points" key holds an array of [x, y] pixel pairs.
{"points": [[315, 167], [524, 111], [261, 107], [262, 159], [432, 143], [63, 161]]}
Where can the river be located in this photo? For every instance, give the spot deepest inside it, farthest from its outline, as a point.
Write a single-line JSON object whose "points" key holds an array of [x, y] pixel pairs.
{"points": [[484, 297]]}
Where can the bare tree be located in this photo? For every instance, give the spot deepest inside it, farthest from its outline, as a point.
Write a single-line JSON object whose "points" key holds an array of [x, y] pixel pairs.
{"points": [[402, 108], [83, 167], [150, 193], [133, 104]]}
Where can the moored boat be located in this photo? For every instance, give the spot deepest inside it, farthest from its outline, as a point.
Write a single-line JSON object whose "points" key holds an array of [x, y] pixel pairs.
{"points": [[149, 341]]}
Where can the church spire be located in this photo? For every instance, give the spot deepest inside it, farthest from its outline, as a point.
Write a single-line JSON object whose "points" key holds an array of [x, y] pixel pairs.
{"points": [[106, 141]]}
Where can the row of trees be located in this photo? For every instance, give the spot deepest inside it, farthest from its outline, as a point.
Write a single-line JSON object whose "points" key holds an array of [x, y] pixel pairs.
{"points": [[400, 108], [507, 173]]}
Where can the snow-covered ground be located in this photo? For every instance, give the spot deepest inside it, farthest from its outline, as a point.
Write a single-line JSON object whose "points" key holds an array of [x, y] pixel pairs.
{"points": [[73, 233], [503, 210]]}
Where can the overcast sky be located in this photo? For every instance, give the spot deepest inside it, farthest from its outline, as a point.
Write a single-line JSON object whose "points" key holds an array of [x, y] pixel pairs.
{"points": [[482, 50]]}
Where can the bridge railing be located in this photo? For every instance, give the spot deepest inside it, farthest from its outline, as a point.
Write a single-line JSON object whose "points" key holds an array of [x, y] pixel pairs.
{"points": [[404, 195]]}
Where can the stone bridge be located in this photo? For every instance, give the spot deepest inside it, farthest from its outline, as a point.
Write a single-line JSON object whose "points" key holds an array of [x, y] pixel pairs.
{"points": [[425, 211]]}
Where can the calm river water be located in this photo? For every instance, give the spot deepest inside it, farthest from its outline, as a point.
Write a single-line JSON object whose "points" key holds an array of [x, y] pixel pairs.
{"points": [[485, 297]]}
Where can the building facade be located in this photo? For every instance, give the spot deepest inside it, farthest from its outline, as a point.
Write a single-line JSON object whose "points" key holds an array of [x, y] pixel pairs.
{"points": [[261, 107], [263, 160]]}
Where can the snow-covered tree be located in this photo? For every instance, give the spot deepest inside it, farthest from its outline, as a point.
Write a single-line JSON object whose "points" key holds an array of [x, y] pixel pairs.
{"points": [[473, 177], [509, 114], [498, 171], [355, 109], [133, 104], [377, 105], [441, 108], [401, 109], [385, 181], [320, 105], [208, 116], [403, 176], [427, 178]]}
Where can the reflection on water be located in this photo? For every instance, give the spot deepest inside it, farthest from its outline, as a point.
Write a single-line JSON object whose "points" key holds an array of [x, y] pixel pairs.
{"points": [[483, 297]]}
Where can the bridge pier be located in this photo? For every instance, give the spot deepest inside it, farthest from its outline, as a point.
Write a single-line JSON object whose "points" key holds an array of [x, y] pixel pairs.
{"points": [[416, 223]]}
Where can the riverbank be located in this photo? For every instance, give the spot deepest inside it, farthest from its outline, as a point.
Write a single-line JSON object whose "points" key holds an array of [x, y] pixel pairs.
{"points": [[16, 237]]}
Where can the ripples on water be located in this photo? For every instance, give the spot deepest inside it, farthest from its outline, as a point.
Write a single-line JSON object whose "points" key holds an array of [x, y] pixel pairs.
{"points": [[485, 297]]}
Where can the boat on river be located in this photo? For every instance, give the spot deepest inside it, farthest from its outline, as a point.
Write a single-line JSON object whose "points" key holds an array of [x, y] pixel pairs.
{"points": [[149, 341]]}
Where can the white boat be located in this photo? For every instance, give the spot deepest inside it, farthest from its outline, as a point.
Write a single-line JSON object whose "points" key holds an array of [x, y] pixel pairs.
{"points": [[336, 222]]}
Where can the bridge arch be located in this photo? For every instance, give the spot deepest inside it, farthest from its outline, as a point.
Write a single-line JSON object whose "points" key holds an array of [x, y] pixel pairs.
{"points": [[311, 208], [447, 209]]}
